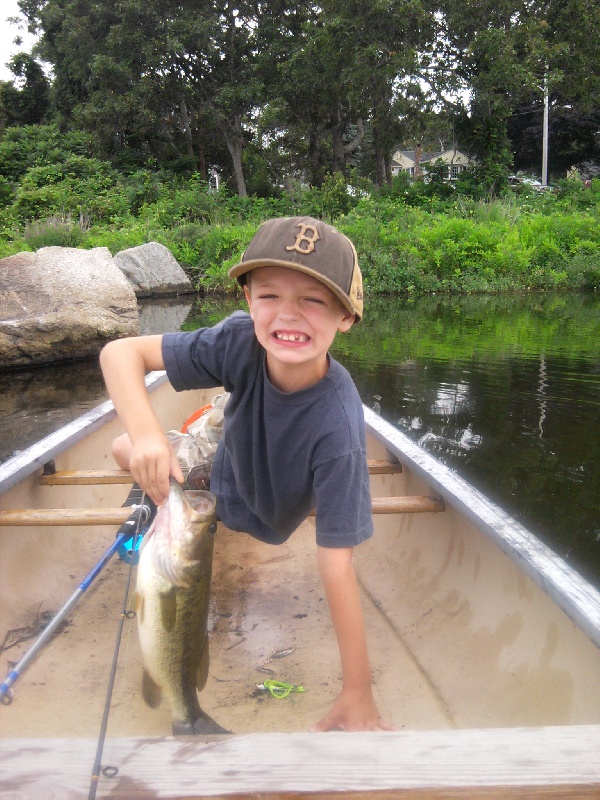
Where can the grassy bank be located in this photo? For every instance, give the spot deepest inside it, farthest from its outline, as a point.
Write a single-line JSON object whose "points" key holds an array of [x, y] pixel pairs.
{"points": [[411, 240]]}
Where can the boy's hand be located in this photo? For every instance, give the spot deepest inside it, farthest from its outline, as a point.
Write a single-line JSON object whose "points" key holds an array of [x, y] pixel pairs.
{"points": [[152, 463], [353, 713], [355, 708]]}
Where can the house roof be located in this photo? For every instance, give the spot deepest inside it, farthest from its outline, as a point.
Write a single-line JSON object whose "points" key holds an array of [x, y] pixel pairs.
{"points": [[425, 156]]}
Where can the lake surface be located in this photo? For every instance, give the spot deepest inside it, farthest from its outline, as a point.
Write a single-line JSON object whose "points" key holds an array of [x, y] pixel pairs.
{"points": [[505, 391]]}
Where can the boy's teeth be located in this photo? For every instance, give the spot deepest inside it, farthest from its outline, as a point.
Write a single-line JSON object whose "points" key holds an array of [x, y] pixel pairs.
{"points": [[289, 337]]}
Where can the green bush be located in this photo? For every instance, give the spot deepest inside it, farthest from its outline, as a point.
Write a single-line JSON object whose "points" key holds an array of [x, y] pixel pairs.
{"points": [[584, 268], [117, 239], [35, 145], [220, 249], [182, 202], [6, 193], [77, 185]]}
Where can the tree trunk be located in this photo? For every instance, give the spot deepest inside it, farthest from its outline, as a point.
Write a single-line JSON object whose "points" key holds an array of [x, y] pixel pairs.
{"points": [[379, 157], [338, 156], [234, 140], [314, 157], [350, 147], [235, 150], [388, 169], [186, 128]]}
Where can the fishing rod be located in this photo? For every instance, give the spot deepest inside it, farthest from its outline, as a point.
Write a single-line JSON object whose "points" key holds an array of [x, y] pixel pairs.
{"points": [[128, 530], [125, 614]]}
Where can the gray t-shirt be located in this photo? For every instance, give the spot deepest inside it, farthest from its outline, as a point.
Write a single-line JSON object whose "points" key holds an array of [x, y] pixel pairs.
{"points": [[282, 454]]}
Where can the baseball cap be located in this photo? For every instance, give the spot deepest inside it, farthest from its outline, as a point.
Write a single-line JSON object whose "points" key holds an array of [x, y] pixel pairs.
{"points": [[310, 246]]}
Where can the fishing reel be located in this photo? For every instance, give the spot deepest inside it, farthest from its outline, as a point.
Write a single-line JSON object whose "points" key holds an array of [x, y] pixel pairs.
{"points": [[136, 525]]}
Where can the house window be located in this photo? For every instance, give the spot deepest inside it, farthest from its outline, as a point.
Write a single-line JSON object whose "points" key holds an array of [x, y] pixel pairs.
{"points": [[455, 171]]}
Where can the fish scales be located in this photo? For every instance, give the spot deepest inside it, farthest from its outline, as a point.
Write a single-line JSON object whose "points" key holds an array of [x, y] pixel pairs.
{"points": [[172, 603]]}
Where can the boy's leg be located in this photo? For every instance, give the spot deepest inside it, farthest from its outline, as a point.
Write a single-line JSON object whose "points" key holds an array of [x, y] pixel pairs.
{"points": [[121, 450]]}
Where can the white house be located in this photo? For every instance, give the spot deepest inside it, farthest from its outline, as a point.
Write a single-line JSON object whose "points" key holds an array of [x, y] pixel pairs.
{"points": [[416, 162]]}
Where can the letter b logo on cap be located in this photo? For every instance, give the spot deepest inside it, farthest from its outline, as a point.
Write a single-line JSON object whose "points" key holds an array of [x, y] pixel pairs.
{"points": [[305, 244]]}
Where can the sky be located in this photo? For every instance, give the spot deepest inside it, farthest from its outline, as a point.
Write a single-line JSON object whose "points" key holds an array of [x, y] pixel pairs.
{"points": [[9, 8]]}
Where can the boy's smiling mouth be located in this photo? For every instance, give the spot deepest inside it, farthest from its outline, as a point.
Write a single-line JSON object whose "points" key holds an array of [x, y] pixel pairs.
{"points": [[285, 336]]}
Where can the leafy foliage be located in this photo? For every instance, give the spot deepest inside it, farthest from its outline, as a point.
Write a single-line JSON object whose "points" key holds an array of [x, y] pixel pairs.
{"points": [[412, 237]]}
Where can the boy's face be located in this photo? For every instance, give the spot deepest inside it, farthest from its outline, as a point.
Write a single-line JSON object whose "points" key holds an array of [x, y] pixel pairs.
{"points": [[295, 319]]}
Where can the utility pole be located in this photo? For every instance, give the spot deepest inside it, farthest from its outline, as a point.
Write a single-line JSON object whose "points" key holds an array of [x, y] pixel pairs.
{"points": [[545, 133]]}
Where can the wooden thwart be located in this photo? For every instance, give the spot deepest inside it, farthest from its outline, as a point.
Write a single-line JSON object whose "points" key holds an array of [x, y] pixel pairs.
{"points": [[409, 504], [89, 477], [116, 516], [64, 516], [380, 467], [100, 476]]}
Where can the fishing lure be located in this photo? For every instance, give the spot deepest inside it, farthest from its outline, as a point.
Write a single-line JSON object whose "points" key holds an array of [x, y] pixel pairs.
{"points": [[279, 689]]}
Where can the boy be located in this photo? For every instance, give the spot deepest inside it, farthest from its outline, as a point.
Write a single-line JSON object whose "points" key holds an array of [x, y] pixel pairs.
{"points": [[294, 433]]}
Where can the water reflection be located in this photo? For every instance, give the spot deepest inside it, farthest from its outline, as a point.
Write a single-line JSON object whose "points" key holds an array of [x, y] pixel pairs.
{"points": [[34, 402], [167, 314]]}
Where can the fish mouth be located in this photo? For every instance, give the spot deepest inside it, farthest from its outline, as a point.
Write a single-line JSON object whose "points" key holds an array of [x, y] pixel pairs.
{"points": [[178, 532], [200, 501]]}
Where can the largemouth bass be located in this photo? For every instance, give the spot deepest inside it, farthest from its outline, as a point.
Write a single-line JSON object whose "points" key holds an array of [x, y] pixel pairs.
{"points": [[172, 600]]}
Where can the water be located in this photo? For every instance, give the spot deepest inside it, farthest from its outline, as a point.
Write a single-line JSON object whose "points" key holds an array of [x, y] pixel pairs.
{"points": [[506, 391], [35, 402]]}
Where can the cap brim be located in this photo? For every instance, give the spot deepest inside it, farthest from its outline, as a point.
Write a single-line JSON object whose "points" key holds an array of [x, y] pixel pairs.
{"points": [[239, 270]]}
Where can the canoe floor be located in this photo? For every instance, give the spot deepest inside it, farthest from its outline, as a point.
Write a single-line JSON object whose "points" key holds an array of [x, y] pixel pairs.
{"points": [[264, 599]]}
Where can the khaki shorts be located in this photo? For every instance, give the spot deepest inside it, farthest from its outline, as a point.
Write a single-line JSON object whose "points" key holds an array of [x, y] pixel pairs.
{"points": [[196, 448]]}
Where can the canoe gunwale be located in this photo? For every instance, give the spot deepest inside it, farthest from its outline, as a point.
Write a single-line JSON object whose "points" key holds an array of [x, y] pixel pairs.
{"points": [[479, 763], [571, 592], [33, 458]]}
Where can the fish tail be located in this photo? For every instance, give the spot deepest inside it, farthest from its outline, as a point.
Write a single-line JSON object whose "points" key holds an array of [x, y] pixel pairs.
{"points": [[204, 725]]}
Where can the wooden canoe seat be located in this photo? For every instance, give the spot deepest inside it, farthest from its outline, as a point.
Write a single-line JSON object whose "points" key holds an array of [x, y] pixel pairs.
{"points": [[99, 476], [116, 516], [64, 516], [82, 477]]}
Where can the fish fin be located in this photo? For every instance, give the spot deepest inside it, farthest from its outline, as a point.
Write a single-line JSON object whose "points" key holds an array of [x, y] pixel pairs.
{"points": [[202, 671], [138, 605], [151, 691], [203, 726], [168, 609]]}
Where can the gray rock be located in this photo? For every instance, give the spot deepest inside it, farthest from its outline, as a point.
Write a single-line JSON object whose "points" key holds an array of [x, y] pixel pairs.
{"points": [[153, 270], [62, 303]]}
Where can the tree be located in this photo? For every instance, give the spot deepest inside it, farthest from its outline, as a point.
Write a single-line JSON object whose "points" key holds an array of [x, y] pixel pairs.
{"points": [[572, 137], [156, 77], [504, 51], [346, 75], [27, 105]]}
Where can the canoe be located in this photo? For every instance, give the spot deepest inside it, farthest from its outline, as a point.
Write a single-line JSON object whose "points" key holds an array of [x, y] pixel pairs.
{"points": [[485, 645]]}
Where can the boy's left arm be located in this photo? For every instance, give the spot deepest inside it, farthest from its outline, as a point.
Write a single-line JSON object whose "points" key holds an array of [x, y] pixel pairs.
{"points": [[355, 708]]}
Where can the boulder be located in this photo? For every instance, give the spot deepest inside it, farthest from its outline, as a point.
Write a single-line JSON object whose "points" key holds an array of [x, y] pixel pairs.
{"points": [[62, 303], [153, 270]]}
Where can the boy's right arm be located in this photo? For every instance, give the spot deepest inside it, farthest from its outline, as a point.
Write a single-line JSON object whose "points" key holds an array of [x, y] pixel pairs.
{"points": [[125, 363]]}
